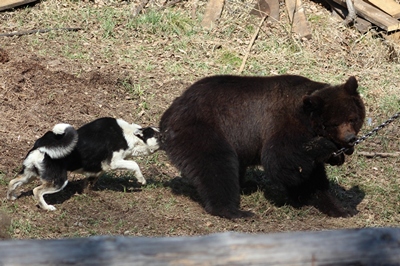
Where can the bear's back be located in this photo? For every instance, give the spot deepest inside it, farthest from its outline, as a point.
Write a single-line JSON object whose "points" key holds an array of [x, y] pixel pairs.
{"points": [[244, 110], [229, 100]]}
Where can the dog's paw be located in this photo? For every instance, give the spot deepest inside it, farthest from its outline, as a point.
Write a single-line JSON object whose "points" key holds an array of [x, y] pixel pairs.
{"points": [[51, 208], [11, 196], [141, 180], [48, 207]]}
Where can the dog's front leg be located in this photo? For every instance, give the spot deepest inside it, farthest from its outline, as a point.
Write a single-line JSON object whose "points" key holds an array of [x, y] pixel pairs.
{"points": [[131, 166]]}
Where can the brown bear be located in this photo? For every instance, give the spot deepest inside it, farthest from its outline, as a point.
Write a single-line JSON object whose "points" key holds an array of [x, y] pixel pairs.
{"points": [[289, 124]]}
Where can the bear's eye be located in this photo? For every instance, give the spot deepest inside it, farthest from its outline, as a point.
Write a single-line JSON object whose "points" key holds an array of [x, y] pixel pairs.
{"points": [[353, 120], [330, 125]]}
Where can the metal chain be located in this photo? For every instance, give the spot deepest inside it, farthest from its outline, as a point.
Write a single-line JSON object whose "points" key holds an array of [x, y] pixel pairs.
{"points": [[369, 134]]}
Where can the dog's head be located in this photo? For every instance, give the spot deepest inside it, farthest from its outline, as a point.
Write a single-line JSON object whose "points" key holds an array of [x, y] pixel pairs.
{"points": [[150, 136]]}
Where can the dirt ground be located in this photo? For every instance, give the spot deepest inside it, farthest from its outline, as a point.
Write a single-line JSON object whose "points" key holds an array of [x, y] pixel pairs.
{"points": [[36, 92]]}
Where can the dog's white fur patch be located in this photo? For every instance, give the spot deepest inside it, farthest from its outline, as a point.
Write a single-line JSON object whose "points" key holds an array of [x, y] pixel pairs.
{"points": [[60, 128], [153, 143], [34, 159]]}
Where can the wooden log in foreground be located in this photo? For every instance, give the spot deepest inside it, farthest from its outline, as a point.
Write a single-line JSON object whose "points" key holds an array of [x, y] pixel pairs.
{"points": [[368, 246], [7, 4]]}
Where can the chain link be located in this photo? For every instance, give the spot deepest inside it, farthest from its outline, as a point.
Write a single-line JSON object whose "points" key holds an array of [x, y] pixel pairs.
{"points": [[369, 134]]}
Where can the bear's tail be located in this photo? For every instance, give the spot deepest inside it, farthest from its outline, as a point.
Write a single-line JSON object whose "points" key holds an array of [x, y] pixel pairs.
{"points": [[59, 142]]}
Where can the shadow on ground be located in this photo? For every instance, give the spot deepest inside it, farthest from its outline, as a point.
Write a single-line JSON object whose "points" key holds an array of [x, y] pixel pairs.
{"points": [[118, 184], [273, 193]]}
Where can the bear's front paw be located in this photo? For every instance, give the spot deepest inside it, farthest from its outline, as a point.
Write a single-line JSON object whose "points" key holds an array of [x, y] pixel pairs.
{"points": [[341, 212], [231, 213], [336, 159], [328, 204], [349, 151], [320, 149]]}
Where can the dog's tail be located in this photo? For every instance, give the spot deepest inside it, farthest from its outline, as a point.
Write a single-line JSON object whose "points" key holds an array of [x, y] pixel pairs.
{"points": [[59, 142]]}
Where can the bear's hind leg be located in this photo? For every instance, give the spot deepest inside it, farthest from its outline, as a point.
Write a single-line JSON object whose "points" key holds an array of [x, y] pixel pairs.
{"points": [[218, 186]]}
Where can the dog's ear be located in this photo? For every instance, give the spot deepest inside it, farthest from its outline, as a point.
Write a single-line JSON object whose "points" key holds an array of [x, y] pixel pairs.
{"points": [[139, 133]]}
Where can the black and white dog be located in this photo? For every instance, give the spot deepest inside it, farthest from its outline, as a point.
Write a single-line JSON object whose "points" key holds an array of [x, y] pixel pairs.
{"points": [[101, 145]]}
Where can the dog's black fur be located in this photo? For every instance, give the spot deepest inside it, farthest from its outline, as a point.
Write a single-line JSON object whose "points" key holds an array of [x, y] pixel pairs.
{"points": [[98, 146], [289, 124]]}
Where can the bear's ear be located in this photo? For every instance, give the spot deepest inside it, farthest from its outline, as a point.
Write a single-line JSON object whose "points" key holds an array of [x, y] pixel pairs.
{"points": [[351, 86], [312, 103]]}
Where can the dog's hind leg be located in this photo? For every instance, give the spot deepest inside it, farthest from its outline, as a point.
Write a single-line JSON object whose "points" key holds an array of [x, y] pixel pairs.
{"points": [[21, 179], [46, 188], [32, 167]]}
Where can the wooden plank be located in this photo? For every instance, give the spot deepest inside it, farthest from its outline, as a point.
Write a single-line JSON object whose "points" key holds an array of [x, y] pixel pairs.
{"points": [[213, 12], [388, 6], [298, 18], [274, 10], [362, 25], [7, 4], [269, 7], [260, 9], [367, 246], [374, 15]]}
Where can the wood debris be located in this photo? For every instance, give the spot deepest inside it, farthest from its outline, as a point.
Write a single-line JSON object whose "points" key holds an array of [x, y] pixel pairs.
{"points": [[212, 14], [374, 14], [298, 19]]}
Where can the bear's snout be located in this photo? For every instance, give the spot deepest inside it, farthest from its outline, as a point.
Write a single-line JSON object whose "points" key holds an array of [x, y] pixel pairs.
{"points": [[347, 135], [350, 139]]}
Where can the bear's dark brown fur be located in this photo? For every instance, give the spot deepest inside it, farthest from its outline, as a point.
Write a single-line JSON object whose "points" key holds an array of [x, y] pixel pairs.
{"points": [[288, 124]]}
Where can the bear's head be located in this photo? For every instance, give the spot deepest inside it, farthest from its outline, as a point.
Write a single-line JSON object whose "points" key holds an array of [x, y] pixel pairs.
{"points": [[336, 113]]}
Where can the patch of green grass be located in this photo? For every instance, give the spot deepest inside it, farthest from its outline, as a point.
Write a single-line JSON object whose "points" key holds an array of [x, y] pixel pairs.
{"points": [[390, 104], [317, 19], [229, 58], [3, 181], [162, 23], [108, 22], [22, 226], [135, 89]]}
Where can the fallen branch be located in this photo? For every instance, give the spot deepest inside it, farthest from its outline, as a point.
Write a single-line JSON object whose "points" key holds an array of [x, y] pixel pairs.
{"points": [[252, 42], [379, 154], [20, 33]]}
